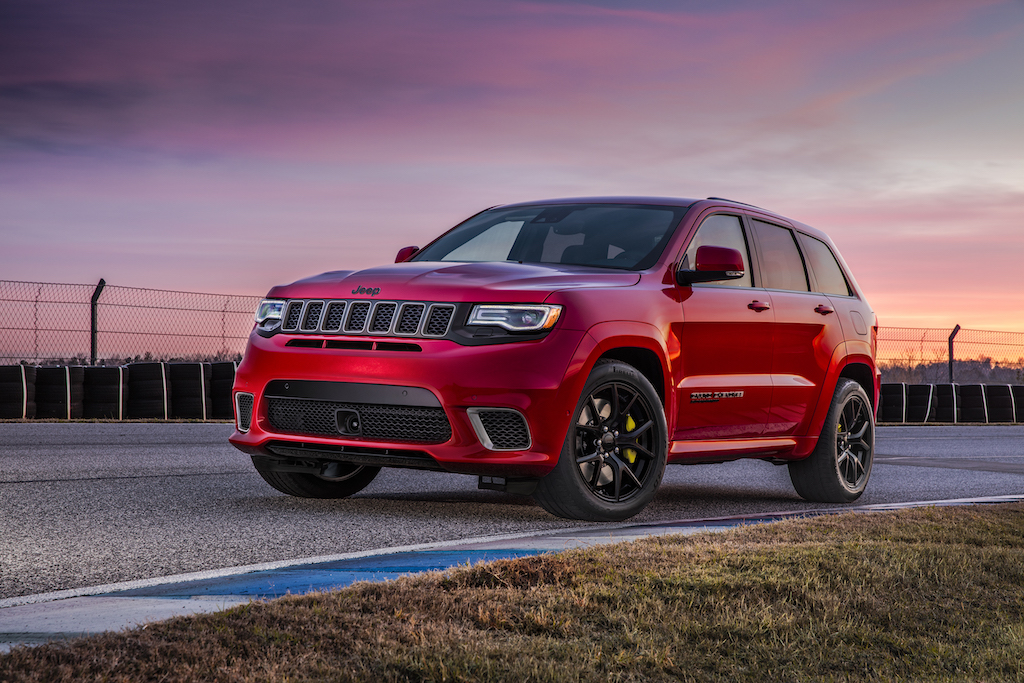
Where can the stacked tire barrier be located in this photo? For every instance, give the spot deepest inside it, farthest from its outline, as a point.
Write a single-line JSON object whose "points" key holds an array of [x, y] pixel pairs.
{"points": [[17, 392], [106, 393], [223, 377], [951, 403], [60, 392], [190, 391]]}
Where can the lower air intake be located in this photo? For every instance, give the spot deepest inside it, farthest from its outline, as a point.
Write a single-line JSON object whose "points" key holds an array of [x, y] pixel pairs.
{"points": [[377, 422], [243, 411], [500, 429]]}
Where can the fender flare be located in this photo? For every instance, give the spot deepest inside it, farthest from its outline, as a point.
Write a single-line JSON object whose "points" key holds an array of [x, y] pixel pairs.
{"points": [[607, 336]]}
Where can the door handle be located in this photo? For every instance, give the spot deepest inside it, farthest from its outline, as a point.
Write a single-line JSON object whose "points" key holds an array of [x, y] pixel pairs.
{"points": [[759, 306], [823, 309]]}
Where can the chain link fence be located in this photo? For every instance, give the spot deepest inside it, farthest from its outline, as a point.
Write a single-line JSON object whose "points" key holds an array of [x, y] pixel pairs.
{"points": [[47, 323], [65, 324], [936, 356]]}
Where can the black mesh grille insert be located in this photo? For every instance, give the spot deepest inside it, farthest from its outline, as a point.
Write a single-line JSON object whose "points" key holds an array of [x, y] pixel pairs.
{"points": [[244, 402], [335, 314], [409, 321], [357, 316], [291, 319], [381, 422], [311, 321], [505, 429], [383, 314], [437, 324]]}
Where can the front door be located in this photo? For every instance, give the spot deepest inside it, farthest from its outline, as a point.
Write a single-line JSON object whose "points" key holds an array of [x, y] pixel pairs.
{"points": [[724, 383]]}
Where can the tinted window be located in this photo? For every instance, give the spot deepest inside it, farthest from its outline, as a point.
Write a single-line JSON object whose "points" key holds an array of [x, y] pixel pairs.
{"points": [[827, 273], [783, 268], [719, 231], [603, 235]]}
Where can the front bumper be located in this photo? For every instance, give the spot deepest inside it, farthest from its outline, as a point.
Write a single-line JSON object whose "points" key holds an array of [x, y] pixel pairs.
{"points": [[534, 379]]}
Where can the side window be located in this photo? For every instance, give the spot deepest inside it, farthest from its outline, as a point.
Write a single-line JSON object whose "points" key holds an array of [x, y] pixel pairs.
{"points": [[827, 273], [782, 266], [720, 230]]}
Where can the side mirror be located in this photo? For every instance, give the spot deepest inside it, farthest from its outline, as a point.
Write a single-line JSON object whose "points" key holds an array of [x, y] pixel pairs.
{"points": [[713, 264], [405, 253]]}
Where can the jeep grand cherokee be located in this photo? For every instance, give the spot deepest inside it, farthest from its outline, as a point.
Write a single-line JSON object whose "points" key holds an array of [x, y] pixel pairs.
{"points": [[570, 349]]}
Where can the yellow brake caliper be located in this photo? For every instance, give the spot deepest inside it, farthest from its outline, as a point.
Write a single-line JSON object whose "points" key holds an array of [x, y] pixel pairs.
{"points": [[629, 452]]}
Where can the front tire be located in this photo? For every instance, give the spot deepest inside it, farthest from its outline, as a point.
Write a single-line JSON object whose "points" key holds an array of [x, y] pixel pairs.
{"points": [[614, 453], [838, 469], [346, 480]]}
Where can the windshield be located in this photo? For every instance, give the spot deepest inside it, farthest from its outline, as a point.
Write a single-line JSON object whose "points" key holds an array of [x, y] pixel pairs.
{"points": [[630, 237]]}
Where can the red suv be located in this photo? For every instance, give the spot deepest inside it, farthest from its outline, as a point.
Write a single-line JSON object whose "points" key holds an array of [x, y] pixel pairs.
{"points": [[570, 349]]}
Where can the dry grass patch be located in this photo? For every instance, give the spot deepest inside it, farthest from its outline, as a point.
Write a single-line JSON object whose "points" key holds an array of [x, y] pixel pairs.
{"points": [[925, 594]]}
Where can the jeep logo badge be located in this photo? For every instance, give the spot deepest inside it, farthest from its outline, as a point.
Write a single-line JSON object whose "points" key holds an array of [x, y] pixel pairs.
{"points": [[372, 291]]}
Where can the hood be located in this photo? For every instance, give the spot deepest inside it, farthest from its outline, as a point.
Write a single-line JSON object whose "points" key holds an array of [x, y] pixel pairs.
{"points": [[433, 281]]}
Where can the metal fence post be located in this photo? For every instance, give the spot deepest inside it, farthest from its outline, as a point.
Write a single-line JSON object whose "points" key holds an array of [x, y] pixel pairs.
{"points": [[92, 325], [955, 330]]}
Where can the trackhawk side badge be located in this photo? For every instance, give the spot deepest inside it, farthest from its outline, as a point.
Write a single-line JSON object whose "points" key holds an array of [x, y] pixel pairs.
{"points": [[713, 396]]}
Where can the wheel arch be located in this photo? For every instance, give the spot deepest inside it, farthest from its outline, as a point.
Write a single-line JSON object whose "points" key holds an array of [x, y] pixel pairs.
{"points": [[644, 360], [862, 375], [637, 344]]}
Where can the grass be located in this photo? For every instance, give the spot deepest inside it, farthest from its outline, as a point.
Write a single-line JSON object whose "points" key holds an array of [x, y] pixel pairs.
{"points": [[923, 594]]}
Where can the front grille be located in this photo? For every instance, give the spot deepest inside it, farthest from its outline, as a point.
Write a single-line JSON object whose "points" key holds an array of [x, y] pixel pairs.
{"points": [[409, 320], [291, 318], [378, 318], [357, 314], [437, 323], [243, 410], [378, 422], [311, 321], [383, 314], [335, 314]]}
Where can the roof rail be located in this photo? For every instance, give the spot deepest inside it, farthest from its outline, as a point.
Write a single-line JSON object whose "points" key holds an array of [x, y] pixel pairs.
{"points": [[725, 199]]}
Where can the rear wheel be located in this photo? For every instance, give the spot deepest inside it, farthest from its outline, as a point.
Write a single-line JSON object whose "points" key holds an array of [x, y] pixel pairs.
{"points": [[838, 469], [614, 453], [344, 480]]}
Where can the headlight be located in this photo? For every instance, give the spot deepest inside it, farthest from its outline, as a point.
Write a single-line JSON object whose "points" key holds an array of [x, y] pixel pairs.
{"points": [[516, 317], [270, 309]]}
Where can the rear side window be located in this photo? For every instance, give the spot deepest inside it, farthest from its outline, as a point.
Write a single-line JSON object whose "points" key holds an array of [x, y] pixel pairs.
{"points": [[827, 273], [720, 230], [782, 267]]}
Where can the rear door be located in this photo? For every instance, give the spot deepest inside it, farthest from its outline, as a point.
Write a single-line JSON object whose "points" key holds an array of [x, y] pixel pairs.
{"points": [[807, 331]]}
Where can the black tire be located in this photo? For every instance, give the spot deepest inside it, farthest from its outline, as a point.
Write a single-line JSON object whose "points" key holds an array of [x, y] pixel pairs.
{"points": [[838, 469], [351, 479], [615, 450]]}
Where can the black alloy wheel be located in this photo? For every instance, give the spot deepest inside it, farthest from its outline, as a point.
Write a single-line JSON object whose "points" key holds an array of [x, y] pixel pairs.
{"points": [[853, 443], [614, 454], [838, 469]]}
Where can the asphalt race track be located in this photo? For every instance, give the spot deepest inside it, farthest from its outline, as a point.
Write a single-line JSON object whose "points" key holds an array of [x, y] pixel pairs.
{"points": [[83, 504]]}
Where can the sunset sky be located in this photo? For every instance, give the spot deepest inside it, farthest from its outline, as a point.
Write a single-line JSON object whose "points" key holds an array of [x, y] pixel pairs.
{"points": [[230, 145]]}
